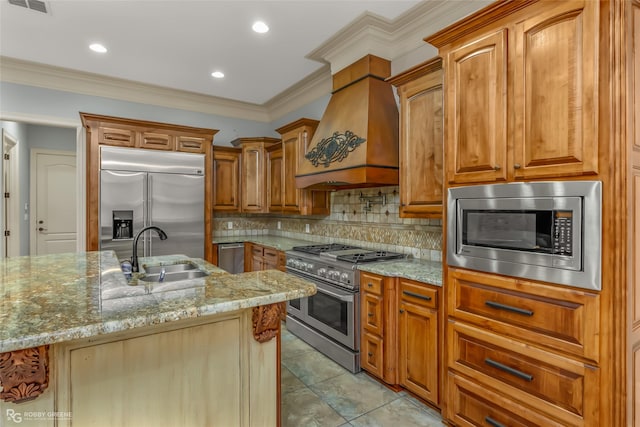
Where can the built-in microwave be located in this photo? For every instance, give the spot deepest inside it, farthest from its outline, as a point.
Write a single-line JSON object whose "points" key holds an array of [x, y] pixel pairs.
{"points": [[548, 231]]}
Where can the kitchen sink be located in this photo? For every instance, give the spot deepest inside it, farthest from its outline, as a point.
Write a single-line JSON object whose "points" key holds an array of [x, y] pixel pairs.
{"points": [[170, 268], [174, 276]]}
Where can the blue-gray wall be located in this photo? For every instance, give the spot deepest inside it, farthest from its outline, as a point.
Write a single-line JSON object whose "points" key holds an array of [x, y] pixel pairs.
{"points": [[36, 101], [31, 136]]}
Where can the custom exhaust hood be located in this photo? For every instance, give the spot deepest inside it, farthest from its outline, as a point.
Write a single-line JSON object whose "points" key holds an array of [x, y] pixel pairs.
{"points": [[356, 142]]}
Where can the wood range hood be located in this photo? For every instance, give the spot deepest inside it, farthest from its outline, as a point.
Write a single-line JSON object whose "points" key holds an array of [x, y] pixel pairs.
{"points": [[356, 142]]}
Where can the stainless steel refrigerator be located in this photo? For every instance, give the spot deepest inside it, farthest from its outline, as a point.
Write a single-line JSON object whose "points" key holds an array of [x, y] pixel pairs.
{"points": [[147, 187]]}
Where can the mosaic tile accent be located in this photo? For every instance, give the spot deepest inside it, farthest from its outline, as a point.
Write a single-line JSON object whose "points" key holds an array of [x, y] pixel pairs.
{"points": [[349, 223]]}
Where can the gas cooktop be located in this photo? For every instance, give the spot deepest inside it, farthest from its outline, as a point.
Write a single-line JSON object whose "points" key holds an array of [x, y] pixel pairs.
{"points": [[347, 253]]}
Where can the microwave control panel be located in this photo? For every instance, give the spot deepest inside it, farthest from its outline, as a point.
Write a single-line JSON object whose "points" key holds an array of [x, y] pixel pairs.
{"points": [[563, 233]]}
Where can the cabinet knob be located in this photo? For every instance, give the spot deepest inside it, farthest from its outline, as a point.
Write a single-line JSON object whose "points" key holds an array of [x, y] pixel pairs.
{"points": [[370, 285], [517, 166], [401, 311], [370, 314], [369, 354], [496, 167]]}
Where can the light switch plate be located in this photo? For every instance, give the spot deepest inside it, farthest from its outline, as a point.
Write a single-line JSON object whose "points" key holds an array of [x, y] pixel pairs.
{"points": [[230, 225], [307, 229], [279, 225]]}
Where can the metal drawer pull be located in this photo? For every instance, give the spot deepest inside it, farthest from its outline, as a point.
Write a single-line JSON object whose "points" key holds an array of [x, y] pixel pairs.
{"points": [[508, 370], [493, 422], [413, 294], [499, 306], [370, 314]]}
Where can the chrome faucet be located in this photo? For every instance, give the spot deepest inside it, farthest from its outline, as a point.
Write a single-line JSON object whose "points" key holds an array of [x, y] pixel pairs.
{"points": [[134, 257]]}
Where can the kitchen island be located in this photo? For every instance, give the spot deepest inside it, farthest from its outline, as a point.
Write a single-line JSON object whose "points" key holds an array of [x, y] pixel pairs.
{"points": [[82, 345]]}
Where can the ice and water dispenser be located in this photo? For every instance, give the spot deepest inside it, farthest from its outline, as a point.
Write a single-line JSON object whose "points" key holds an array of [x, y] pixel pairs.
{"points": [[122, 225]]}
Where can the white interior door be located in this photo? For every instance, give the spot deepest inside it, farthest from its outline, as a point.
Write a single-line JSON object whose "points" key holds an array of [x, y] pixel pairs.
{"points": [[11, 214], [53, 202]]}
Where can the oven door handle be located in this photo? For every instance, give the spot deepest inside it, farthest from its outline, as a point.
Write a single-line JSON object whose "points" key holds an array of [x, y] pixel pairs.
{"points": [[345, 298]]}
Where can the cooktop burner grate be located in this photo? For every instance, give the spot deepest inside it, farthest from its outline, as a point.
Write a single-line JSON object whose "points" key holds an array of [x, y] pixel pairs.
{"points": [[318, 249], [370, 256]]}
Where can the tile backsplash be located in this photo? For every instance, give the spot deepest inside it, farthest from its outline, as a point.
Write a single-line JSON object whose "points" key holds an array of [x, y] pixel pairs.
{"points": [[353, 220]]}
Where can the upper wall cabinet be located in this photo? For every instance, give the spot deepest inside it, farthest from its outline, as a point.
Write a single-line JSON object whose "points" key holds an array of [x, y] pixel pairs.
{"points": [[226, 179], [253, 172], [521, 91], [296, 138], [421, 140]]}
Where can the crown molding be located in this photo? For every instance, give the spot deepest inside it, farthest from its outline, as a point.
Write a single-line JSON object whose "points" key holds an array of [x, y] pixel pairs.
{"points": [[35, 74], [391, 39]]}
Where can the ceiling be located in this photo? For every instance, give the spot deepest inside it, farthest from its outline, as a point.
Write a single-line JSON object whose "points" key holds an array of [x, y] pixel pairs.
{"points": [[178, 43]]}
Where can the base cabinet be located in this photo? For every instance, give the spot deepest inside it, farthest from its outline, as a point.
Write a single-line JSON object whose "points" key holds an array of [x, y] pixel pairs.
{"points": [[258, 258], [400, 338], [520, 352]]}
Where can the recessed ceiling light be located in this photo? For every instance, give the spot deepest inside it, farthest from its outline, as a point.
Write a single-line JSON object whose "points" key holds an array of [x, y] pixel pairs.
{"points": [[97, 47], [217, 74], [260, 27]]}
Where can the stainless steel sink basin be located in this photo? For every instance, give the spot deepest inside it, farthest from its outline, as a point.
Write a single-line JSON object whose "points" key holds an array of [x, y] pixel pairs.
{"points": [[174, 276], [170, 268]]}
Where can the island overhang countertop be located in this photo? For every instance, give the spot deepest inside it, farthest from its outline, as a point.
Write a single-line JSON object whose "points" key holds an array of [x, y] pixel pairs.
{"points": [[58, 298]]}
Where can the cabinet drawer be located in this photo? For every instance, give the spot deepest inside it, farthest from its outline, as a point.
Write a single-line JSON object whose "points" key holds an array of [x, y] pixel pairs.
{"points": [[372, 313], [117, 137], [191, 144], [157, 141], [271, 255], [560, 318], [371, 355], [371, 283], [257, 250], [470, 404], [550, 382], [418, 293]]}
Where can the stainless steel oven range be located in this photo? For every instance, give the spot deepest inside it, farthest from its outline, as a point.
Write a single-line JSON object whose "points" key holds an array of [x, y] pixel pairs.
{"points": [[330, 319]]}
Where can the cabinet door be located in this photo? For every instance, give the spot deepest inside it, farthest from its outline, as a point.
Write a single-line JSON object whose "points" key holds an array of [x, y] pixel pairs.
{"points": [[555, 84], [191, 144], [291, 194], [476, 112], [418, 347], [226, 180], [275, 183], [421, 147], [157, 141], [253, 181]]}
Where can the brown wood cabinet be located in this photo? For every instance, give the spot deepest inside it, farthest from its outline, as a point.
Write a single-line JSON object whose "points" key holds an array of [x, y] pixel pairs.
{"points": [[421, 140], [400, 333], [226, 179], [521, 90], [253, 179], [535, 344], [258, 257], [275, 178], [123, 132], [418, 339], [296, 137]]}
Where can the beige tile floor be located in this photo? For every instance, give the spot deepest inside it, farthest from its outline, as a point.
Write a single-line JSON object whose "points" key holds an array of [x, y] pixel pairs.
{"points": [[318, 392]]}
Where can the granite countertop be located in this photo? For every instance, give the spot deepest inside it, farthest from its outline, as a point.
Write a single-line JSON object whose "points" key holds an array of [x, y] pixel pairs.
{"points": [[415, 269], [277, 242], [56, 298]]}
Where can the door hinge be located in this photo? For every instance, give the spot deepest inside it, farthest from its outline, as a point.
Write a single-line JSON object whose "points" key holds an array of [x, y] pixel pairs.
{"points": [[6, 156], [7, 233], [6, 195]]}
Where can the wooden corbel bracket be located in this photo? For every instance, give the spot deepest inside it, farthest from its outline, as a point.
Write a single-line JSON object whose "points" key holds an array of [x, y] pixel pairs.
{"points": [[24, 374]]}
